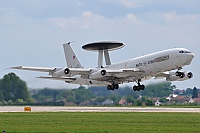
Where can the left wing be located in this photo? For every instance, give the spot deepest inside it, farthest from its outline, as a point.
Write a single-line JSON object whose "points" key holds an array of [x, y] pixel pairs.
{"points": [[56, 72], [39, 69]]}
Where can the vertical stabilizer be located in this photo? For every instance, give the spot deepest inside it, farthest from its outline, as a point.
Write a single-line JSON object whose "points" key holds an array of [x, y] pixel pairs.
{"points": [[71, 58]]}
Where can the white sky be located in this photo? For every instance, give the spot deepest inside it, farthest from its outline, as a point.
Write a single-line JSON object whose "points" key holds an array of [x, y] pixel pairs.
{"points": [[32, 32]]}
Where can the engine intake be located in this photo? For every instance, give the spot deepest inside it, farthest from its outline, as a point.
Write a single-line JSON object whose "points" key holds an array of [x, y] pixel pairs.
{"points": [[103, 72], [179, 76], [189, 75], [97, 75], [62, 72], [66, 71]]}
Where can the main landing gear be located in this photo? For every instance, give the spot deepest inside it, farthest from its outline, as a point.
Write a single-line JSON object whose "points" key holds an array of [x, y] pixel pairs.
{"points": [[135, 88], [138, 87], [113, 86]]}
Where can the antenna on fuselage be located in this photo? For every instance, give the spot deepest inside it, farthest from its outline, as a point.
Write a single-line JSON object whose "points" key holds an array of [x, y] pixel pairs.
{"points": [[71, 42]]}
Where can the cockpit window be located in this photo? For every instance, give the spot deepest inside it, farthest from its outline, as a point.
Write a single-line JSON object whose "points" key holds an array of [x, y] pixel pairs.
{"points": [[182, 51]]}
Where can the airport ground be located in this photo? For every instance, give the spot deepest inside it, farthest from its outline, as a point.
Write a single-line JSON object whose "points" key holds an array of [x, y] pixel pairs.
{"points": [[104, 121], [96, 109]]}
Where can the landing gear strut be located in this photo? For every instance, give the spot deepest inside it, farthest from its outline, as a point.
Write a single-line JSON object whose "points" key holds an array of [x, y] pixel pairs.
{"points": [[139, 86], [113, 86]]}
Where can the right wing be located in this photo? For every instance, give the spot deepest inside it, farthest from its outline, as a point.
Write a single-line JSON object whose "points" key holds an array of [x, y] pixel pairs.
{"points": [[125, 72], [161, 75], [58, 78]]}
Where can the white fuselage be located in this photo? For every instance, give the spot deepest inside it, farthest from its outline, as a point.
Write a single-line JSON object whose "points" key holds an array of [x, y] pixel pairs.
{"points": [[157, 62], [152, 64]]}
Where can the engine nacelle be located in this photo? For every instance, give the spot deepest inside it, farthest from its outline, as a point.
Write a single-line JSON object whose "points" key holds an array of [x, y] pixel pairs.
{"points": [[62, 72], [180, 76], [97, 75]]}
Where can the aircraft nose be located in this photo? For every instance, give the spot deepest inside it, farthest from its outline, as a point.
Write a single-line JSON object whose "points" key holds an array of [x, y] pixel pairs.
{"points": [[191, 56]]}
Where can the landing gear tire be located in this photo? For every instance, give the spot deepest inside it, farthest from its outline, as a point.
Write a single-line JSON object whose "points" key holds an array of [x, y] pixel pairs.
{"points": [[138, 88], [112, 87], [109, 87], [142, 87], [135, 88], [116, 86]]}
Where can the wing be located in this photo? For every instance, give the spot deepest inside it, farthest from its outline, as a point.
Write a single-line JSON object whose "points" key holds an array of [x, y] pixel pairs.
{"points": [[57, 72], [123, 73], [39, 69], [161, 75], [119, 75], [79, 71], [58, 78]]}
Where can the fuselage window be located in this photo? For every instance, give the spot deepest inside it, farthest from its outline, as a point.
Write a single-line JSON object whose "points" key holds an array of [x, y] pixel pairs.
{"points": [[184, 51]]}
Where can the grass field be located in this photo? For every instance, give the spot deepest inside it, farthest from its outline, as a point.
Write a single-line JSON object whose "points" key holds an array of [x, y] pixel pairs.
{"points": [[100, 122]]}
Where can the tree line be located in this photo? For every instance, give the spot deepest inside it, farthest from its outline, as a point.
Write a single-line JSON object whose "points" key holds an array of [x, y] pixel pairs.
{"points": [[13, 90]]}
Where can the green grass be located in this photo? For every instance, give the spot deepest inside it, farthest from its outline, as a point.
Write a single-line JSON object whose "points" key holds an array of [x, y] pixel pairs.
{"points": [[100, 122]]}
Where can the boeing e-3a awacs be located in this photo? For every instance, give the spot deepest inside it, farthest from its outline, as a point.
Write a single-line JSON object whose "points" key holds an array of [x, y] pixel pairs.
{"points": [[163, 64]]}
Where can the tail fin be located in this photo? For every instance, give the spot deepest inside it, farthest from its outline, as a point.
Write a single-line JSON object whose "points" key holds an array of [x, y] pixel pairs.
{"points": [[71, 58]]}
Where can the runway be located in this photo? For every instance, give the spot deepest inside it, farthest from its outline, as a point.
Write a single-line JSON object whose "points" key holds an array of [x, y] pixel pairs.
{"points": [[96, 109]]}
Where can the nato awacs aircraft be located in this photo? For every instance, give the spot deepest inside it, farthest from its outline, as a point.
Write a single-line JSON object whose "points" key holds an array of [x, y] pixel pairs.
{"points": [[164, 64]]}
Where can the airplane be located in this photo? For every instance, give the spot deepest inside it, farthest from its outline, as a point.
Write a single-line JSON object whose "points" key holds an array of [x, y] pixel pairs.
{"points": [[163, 64]]}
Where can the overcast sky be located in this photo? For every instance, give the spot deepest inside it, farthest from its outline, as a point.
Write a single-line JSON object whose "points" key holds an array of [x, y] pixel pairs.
{"points": [[32, 32]]}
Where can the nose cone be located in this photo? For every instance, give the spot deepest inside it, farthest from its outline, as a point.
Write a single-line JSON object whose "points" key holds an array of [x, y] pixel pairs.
{"points": [[190, 56]]}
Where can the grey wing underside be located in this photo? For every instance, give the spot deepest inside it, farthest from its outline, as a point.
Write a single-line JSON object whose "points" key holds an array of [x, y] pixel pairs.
{"points": [[38, 69], [58, 78], [123, 75], [120, 75]]}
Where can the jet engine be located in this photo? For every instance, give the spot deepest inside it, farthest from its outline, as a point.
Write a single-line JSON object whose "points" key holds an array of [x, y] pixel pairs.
{"points": [[179, 76], [97, 75], [62, 72]]}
